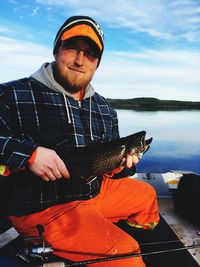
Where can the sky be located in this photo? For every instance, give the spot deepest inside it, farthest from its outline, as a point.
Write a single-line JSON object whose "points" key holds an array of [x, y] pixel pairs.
{"points": [[152, 47]]}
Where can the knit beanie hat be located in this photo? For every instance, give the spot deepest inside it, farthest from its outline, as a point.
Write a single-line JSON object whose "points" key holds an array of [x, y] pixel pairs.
{"points": [[80, 26]]}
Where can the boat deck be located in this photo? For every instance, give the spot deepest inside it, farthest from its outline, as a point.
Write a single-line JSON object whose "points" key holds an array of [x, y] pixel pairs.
{"points": [[187, 232]]}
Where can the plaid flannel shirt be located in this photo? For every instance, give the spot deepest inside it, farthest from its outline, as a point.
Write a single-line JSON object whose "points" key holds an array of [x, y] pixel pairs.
{"points": [[34, 115]]}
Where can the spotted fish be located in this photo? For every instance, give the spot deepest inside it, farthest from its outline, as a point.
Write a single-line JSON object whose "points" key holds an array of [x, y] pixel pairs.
{"points": [[99, 158]]}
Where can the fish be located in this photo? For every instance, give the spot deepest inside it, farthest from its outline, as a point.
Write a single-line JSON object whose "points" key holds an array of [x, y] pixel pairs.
{"points": [[97, 159]]}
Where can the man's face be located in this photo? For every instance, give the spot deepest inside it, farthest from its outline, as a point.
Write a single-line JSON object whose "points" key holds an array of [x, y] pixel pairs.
{"points": [[75, 64]]}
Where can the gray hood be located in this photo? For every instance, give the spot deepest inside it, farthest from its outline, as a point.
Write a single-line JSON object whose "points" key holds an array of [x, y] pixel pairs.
{"points": [[45, 76]]}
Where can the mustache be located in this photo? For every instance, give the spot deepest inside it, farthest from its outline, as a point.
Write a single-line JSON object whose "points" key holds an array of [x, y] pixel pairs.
{"points": [[77, 68]]}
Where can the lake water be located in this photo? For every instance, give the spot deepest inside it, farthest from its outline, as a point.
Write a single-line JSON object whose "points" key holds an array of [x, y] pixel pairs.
{"points": [[176, 138]]}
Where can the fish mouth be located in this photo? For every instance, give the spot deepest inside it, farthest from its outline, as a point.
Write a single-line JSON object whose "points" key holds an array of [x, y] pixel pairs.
{"points": [[141, 148]]}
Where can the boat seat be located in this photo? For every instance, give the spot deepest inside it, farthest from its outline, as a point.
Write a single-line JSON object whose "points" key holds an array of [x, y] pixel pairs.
{"points": [[10, 243], [4, 224]]}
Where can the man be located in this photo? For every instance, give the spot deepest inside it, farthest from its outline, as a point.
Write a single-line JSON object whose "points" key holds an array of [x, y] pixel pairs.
{"points": [[57, 105]]}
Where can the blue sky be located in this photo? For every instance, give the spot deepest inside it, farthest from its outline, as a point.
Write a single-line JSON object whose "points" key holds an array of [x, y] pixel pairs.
{"points": [[152, 47]]}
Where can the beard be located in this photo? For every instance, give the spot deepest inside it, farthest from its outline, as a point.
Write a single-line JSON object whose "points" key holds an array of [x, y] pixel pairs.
{"points": [[74, 86], [71, 83]]}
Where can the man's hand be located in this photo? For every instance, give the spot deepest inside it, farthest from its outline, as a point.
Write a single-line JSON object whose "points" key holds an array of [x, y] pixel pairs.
{"points": [[128, 162], [131, 161], [48, 165]]}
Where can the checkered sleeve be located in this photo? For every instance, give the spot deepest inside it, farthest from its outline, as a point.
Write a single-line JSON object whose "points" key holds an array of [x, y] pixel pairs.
{"points": [[14, 151]]}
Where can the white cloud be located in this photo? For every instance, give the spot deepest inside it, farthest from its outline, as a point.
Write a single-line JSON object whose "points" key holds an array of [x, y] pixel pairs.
{"points": [[5, 30], [162, 74], [164, 19], [20, 58]]}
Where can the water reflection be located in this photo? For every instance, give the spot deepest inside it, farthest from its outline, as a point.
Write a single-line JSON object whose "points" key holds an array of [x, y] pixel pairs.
{"points": [[176, 138]]}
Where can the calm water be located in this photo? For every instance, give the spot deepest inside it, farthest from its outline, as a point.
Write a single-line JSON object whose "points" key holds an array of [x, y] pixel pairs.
{"points": [[176, 138]]}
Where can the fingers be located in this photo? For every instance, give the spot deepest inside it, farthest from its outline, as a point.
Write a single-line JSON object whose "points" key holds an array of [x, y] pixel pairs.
{"points": [[56, 174], [135, 159], [48, 165], [131, 160], [45, 178], [57, 171], [51, 175], [62, 169]]}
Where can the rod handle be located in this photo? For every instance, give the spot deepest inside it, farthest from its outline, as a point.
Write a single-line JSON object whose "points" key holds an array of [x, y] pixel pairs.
{"points": [[54, 264]]}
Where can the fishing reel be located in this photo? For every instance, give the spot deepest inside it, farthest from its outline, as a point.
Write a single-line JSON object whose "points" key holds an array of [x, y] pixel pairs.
{"points": [[36, 250]]}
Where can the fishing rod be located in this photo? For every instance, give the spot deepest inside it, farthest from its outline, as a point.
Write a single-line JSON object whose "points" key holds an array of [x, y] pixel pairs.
{"points": [[64, 263], [41, 251], [119, 256]]}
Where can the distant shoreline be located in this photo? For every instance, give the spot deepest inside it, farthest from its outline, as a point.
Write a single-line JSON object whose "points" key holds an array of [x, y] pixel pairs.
{"points": [[153, 104]]}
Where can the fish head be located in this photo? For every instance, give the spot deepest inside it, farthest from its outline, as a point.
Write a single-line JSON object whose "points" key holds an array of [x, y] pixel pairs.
{"points": [[139, 145]]}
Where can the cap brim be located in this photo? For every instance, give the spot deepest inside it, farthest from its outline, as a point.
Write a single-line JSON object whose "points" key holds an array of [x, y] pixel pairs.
{"points": [[84, 31]]}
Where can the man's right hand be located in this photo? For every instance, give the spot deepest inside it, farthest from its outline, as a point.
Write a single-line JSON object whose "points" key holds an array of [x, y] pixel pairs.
{"points": [[48, 165]]}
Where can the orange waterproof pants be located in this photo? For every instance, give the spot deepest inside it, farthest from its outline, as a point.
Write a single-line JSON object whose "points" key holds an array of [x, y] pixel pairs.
{"points": [[85, 229]]}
